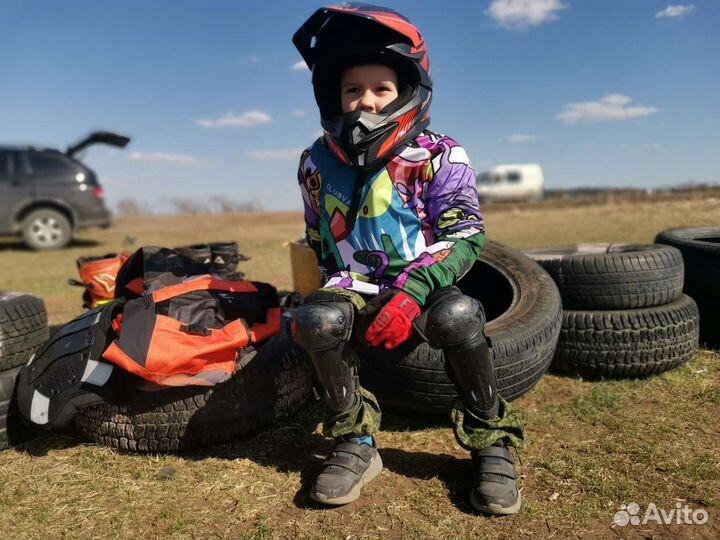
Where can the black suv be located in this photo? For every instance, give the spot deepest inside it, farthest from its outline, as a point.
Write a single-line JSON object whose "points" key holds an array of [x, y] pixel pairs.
{"points": [[45, 194]]}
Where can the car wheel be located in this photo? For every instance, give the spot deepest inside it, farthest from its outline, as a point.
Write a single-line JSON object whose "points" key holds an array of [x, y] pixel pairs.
{"points": [[46, 229]]}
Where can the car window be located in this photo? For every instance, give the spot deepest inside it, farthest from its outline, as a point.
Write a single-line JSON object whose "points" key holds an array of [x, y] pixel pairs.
{"points": [[513, 177], [50, 166], [5, 166]]}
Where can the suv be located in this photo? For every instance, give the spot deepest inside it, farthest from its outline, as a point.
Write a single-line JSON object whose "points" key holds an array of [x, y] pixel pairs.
{"points": [[46, 194]]}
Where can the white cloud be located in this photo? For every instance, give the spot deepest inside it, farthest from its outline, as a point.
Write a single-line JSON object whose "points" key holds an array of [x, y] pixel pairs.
{"points": [[675, 12], [299, 113], [300, 66], [520, 138], [275, 155], [609, 108], [168, 159], [248, 119], [521, 14]]}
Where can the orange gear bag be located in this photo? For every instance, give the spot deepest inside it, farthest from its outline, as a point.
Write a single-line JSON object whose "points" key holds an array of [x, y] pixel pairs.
{"points": [[191, 333]]}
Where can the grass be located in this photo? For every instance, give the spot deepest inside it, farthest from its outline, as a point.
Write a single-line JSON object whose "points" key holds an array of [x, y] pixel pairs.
{"points": [[591, 446]]}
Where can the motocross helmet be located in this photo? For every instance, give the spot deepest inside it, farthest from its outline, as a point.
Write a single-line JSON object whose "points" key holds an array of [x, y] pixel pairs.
{"points": [[336, 38]]}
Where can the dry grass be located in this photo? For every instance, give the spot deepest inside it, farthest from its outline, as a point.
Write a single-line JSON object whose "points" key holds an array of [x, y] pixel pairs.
{"points": [[597, 445]]}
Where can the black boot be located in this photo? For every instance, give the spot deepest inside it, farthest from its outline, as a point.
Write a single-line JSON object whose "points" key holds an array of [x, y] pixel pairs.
{"points": [[200, 253], [225, 258]]}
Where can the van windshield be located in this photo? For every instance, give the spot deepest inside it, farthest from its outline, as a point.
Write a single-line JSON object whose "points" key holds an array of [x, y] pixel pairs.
{"points": [[490, 178]]}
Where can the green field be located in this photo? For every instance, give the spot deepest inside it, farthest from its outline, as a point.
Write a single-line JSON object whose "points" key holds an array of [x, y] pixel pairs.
{"points": [[591, 447]]}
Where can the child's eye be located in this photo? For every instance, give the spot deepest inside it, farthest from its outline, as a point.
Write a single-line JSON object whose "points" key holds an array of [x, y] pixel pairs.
{"points": [[351, 90]]}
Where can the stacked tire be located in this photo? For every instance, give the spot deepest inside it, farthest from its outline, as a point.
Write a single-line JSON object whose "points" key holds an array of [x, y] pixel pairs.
{"points": [[700, 248], [624, 313], [523, 310], [23, 329], [270, 384]]}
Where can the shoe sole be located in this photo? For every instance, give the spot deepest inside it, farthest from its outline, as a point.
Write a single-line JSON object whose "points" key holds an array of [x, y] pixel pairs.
{"points": [[495, 509], [371, 472]]}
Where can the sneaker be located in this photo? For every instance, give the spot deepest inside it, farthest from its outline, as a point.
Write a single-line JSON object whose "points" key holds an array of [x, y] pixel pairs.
{"points": [[350, 466], [495, 488]]}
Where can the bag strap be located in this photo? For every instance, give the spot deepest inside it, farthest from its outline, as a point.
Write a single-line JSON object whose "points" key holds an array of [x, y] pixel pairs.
{"points": [[202, 283], [271, 327]]}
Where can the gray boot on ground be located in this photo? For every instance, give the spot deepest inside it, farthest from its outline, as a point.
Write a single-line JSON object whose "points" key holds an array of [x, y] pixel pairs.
{"points": [[495, 488], [348, 468]]}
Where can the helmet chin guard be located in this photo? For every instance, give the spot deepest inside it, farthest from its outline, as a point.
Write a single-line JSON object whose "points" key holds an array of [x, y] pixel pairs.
{"points": [[338, 37]]}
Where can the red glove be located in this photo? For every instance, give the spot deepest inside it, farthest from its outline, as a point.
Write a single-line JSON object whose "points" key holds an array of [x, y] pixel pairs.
{"points": [[393, 324]]}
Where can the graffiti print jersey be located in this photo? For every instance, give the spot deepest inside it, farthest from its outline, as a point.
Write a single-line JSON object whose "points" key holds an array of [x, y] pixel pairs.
{"points": [[418, 225]]}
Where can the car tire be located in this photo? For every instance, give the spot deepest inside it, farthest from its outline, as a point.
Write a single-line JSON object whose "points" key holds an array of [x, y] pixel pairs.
{"points": [[46, 228], [523, 308], [627, 343], [8, 418], [613, 276], [23, 328], [268, 386], [700, 248]]}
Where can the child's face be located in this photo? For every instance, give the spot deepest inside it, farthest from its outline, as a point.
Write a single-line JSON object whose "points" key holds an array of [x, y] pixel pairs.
{"points": [[368, 88]]}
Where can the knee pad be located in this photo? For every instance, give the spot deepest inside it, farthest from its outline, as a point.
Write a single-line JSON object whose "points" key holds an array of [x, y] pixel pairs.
{"points": [[455, 321], [320, 326]]}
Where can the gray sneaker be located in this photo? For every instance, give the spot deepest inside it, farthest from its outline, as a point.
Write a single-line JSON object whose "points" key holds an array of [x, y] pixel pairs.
{"points": [[495, 481], [348, 468]]}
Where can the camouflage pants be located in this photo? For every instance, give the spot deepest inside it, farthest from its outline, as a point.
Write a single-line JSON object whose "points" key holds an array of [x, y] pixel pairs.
{"points": [[364, 417]]}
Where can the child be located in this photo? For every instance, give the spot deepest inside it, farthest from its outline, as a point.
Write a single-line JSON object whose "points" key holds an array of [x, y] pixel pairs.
{"points": [[392, 212]]}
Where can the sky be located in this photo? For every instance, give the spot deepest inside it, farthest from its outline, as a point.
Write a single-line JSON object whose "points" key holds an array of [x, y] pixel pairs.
{"points": [[217, 101]]}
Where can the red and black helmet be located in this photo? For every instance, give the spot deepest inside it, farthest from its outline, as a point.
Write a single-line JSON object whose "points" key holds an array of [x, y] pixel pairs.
{"points": [[337, 37]]}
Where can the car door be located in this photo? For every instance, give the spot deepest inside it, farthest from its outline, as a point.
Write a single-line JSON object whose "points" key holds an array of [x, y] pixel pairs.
{"points": [[16, 191], [57, 178]]}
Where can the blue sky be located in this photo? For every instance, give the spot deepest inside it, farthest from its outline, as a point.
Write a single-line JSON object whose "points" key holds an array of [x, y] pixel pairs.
{"points": [[601, 93]]}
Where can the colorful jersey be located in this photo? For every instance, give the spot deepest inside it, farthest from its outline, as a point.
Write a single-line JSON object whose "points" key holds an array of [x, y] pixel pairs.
{"points": [[417, 223]]}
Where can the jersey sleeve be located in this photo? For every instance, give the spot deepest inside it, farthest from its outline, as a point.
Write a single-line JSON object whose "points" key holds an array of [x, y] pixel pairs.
{"points": [[454, 217], [309, 181]]}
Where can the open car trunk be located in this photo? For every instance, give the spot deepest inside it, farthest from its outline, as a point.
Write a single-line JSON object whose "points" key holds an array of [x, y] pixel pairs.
{"points": [[104, 137]]}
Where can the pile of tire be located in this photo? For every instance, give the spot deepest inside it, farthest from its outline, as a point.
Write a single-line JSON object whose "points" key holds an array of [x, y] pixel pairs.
{"points": [[23, 329], [624, 313], [523, 310], [700, 248], [270, 384]]}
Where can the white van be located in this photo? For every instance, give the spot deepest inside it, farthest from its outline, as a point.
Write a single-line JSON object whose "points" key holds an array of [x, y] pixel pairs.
{"points": [[511, 183]]}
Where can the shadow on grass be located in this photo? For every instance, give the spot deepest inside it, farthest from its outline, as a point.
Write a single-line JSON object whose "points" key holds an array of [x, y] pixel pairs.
{"points": [[38, 444], [455, 473]]}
